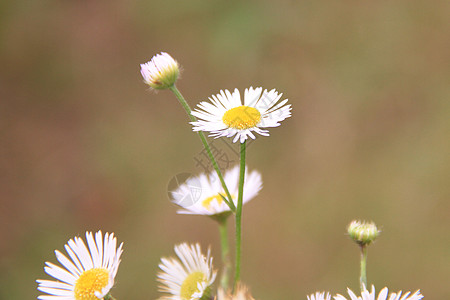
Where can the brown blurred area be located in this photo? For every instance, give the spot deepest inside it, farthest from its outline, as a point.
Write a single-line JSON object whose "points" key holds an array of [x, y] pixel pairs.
{"points": [[84, 145]]}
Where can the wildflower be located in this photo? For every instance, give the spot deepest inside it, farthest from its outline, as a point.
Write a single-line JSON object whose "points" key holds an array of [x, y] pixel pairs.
{"points": [[363, 233], [188, 278], [319, 296], [90, 273], [201, 195], [383, 295], [226, 116], [241, 293], [161, 72]]}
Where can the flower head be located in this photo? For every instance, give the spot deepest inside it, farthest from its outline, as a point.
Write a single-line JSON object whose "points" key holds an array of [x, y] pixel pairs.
{"points": [[363, 233], [383, 295], [201, 195], [241, 293], [226, 116], [88, 274], [319, 296], [188, 278], [161, 72]]}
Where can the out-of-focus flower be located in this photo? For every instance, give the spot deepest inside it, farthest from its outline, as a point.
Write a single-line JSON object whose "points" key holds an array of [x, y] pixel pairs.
{"points": [[319, 296], [188, 278], [200, 195], [241, 293], [383, 295]]}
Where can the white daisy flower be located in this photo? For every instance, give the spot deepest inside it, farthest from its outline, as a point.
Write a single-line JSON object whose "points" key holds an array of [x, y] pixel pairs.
{"points": [[188, 278], [161, 72], [383, 295], [88, 274], [200, 195], [319, 296], [226, 116]]}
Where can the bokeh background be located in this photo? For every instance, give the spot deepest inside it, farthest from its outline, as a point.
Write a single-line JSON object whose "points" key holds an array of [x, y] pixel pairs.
{"points": [[85, 145]]}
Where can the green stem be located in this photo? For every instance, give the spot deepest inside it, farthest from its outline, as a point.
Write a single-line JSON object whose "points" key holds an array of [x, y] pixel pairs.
{"points": [[239, 215], [205, 144], [109, 297], [363, 278], [225, 253]]}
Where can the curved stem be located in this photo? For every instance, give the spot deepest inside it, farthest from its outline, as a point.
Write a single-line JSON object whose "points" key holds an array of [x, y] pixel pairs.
{"points": [[239, 214], [205, 144]]}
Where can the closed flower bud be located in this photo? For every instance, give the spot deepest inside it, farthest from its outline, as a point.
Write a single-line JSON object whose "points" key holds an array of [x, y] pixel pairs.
{"points": [[363, 233], [161, 72]]}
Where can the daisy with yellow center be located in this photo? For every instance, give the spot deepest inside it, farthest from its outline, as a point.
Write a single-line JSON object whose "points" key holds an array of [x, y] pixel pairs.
{"points": [[204, 192], [383, 295], [226, 116], [161, 72], [188, 278], [88, 274]]}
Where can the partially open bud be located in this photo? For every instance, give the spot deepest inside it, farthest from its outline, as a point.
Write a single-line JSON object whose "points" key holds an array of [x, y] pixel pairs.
{"points": [[161, 72], [363, 233]]}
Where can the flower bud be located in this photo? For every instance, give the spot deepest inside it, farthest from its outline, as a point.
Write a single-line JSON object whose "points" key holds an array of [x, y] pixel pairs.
{"points": [[363, 233], [161, 72]]}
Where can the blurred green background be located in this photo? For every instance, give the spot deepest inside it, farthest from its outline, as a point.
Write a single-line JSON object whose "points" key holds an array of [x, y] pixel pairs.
{"points": [[86, 146]]}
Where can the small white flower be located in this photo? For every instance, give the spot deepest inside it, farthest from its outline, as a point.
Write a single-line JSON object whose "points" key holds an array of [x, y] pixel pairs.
{"points": [[226, 116], [90, 273], [319, 296], [161, 72], [200, 195], [383, 295], [189, 277]]}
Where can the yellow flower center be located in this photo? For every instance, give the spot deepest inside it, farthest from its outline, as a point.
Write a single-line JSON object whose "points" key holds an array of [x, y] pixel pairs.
{"points": [[242, 117], [89, 282], [207, 202], [189, 285]]}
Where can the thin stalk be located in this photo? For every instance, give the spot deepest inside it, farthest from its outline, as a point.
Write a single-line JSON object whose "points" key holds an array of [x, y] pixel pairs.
{"points": [[205, 144], [363, 277], [225, 254], [237, 269], [109, 297]]}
